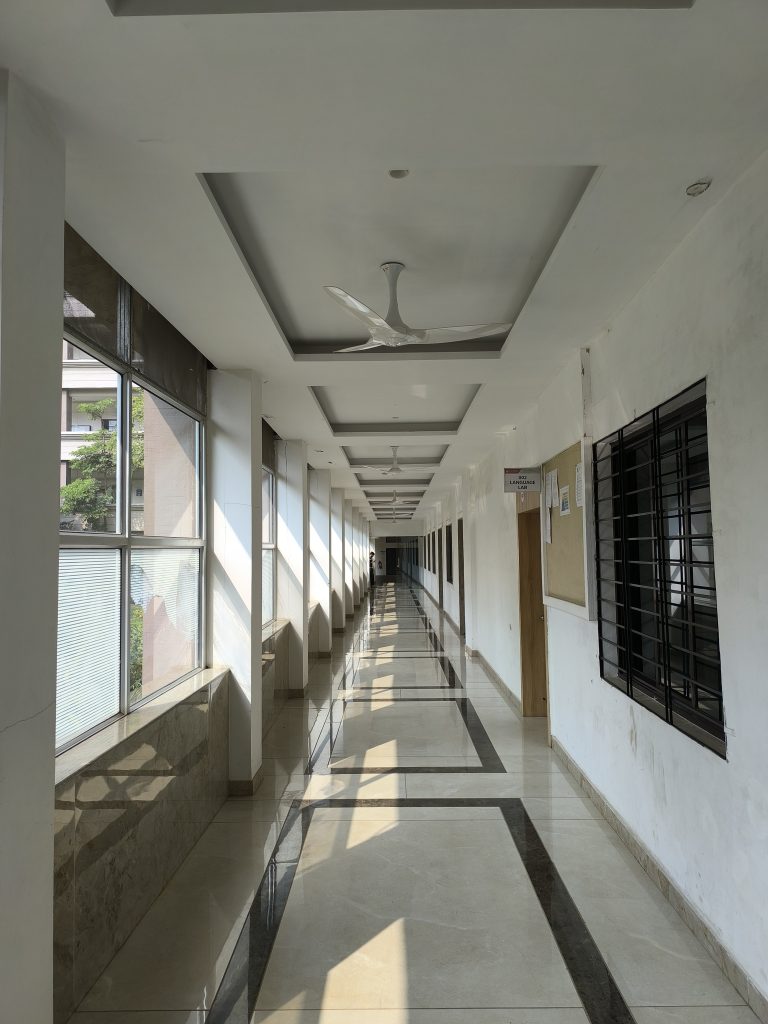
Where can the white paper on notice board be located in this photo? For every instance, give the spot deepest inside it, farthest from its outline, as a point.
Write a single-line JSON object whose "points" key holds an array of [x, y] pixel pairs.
{"points": [[555, 496], [579, 485], [565, 500]]}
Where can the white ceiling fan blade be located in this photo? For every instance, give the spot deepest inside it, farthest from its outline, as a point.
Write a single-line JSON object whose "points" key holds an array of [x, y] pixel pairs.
{"points": [[371, 343], [358, 309], [446, 335]]}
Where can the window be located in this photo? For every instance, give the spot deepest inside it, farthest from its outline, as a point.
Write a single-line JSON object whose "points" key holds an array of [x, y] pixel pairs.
{"points": [[131, 546], [268, 573], [449, 553], [657, 599]]}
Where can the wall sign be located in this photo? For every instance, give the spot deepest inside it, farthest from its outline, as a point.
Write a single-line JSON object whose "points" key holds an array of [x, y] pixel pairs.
{"points": [[517, 479]]}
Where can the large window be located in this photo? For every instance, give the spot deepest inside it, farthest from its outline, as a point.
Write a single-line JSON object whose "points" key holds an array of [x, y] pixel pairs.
{"points": [[132, 545], [268, 525], [657, 599]]}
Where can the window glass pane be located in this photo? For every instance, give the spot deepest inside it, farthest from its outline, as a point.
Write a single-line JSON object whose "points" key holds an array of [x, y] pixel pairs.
{"points": [[164, 468], [267, 585], [267, 507], [164, 618], [88, 648], [90, 444]]}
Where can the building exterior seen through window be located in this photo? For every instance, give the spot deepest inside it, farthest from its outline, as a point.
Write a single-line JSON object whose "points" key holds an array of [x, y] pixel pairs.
{"points": [[132, 545]]}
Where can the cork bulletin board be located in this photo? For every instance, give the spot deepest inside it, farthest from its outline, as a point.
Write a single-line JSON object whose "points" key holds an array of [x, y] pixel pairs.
{"points": [[566, 559]]}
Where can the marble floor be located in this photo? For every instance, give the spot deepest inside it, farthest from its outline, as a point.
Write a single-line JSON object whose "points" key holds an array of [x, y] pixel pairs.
{"points": [[414, 855]]}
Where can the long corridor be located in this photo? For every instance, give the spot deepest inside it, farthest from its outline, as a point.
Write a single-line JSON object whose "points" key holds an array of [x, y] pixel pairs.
{"points": [[415, 855]]}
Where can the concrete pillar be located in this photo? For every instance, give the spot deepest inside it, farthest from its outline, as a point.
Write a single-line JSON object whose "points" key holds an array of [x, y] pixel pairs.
{"points": [[234, 485], [31, 288], [320, 553], [365, 551], [350, 600], [293, 555], [358, 554], [338, 607], [363, 555]]}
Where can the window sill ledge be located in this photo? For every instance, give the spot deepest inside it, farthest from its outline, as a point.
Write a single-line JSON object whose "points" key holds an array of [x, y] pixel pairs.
{"points": [[270, 631], [74, 760]]}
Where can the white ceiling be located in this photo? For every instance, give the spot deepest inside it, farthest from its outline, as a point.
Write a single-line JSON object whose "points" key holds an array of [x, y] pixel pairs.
{"points": [[395, 406], [490, 110], [473, 240]]}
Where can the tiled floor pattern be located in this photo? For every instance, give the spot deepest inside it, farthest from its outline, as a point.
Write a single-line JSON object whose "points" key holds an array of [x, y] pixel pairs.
{"points": [[415, 855]]}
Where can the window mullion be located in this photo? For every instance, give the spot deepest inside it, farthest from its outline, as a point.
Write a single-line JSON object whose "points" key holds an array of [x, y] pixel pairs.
{"points": [[124, 490], [660, 572], [625, 566]]}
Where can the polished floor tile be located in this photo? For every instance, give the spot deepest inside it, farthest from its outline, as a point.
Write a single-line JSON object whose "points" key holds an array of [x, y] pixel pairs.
{"points": [[384, 732], [140, 1017], [377, 920], [418, 855], [411, 1016]]}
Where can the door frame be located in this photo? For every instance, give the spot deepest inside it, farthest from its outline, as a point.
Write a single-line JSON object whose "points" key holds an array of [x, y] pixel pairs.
{"points": [[460, 559], [440, 567]]}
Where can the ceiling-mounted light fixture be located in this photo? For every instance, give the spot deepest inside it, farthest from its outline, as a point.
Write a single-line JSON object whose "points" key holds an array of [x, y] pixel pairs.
{"points": [[698, 188], [399, 173]]}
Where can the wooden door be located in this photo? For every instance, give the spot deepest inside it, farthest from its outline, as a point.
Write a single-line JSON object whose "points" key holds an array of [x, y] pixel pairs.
{"points": [[533, 636], [460, 552]]}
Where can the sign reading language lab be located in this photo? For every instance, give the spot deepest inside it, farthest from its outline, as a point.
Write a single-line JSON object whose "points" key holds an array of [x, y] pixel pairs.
{"points": [[522, 479]]}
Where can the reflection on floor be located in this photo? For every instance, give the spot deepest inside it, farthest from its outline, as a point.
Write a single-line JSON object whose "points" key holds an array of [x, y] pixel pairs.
{"points": [[415, 855]]}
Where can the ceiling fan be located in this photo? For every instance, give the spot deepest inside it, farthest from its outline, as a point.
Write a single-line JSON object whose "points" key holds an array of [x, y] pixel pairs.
{"points": [[403, 503], [391, 331], [395, 468]]}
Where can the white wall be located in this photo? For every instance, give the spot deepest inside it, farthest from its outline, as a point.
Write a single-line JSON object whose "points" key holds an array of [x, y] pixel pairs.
{"points": [[704, 314], [31, 275]]}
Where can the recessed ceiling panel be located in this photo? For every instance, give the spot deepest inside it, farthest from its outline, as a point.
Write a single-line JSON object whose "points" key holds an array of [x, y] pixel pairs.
{"points": [[407, 454], [473, 241], [142, 8], [412, 403]]}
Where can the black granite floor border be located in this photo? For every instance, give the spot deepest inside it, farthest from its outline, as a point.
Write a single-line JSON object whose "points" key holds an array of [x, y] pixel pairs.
{"points": [[490, 762], [235, 1000]]}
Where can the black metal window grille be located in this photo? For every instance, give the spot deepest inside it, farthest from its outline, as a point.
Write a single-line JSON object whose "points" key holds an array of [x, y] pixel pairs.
{"points": [[657, 599]]}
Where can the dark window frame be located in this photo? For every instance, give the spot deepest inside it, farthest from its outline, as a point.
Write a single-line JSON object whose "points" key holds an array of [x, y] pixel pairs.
{"points": [[655, 567], [449, 553]]}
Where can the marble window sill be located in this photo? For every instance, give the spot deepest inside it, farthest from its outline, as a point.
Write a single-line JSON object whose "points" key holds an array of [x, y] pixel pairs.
{"points": [[74, 760], [272, 629]]}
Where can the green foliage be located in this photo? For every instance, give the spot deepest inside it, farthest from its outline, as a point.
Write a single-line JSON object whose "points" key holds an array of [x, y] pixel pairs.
{"points": [[93, 491], [136, 652], [86, 499], [96, 409]]}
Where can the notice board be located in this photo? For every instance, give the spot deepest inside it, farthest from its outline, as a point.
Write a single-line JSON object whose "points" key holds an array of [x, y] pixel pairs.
{"points": [[563, 561]]}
